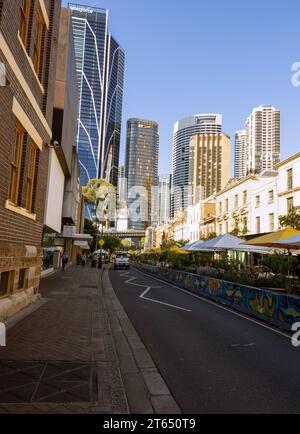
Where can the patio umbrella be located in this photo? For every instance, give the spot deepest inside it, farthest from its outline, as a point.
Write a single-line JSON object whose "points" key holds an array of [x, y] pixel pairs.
{"points": [[275, 239], [223, 243], [190, 245], [98, 252], [177, 250], [291, 243]]}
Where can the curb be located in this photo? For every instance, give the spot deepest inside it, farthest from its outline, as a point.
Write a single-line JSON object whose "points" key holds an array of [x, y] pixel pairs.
{"points": [[146, 390]]}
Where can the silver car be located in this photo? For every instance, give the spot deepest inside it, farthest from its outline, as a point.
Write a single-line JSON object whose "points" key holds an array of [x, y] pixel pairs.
{"points": [[121, 261]]}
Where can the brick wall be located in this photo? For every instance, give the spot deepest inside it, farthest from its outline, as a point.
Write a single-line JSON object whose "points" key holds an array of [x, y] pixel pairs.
{"points": [[14, 228], [21, 236]]}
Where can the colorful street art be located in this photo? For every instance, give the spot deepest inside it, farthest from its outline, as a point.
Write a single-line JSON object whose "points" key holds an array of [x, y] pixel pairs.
{"points": [[279, 309]]}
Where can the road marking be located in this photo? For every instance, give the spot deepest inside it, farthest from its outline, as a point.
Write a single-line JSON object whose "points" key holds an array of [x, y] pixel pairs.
{"points": [[131, 280], [219, 306]]}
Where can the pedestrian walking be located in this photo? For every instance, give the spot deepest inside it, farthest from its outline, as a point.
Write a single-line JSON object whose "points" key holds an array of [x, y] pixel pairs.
{"points": [[65, 260], [78, 259], [83, 259]]}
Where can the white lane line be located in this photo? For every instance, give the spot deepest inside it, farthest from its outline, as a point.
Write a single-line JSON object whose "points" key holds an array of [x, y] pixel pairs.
{"points": [[131, 280], [160, 302], [219, 306]]}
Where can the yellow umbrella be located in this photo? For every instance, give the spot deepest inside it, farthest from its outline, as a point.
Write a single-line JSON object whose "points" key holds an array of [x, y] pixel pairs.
{"points": [[177, 250], [272, 240]]}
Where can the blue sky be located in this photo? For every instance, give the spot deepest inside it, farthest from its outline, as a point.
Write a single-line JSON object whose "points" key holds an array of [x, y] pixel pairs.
{"points": [[225, 56]]}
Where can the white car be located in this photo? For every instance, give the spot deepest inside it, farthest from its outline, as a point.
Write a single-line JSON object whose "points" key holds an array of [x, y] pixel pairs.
{"points": [[121, 261]]}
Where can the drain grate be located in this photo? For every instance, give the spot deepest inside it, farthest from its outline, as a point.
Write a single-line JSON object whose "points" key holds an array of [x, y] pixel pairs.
{"points": [[52, 382]]}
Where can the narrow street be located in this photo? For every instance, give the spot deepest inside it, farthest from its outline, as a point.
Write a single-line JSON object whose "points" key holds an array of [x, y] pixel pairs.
{"points": [[213, 360]]}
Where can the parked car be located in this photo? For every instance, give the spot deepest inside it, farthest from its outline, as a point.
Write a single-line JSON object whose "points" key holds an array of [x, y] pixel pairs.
{"points": [[121, 261]]}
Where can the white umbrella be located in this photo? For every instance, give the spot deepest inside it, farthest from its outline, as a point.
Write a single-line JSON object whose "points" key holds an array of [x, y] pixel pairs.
{"points": [[190, 245], [98, 252], [226, 242]]}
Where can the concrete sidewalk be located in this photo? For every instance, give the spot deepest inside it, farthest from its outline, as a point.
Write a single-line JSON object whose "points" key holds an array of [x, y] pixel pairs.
{"points": [[62, 357], [79, 353]]}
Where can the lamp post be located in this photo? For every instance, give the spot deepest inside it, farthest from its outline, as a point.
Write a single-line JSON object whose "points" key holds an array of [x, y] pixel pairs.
{"points": [[100, 259]]}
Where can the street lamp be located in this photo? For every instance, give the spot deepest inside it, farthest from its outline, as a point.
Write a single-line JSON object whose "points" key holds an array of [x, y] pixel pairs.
{"points": [[100, 259]]}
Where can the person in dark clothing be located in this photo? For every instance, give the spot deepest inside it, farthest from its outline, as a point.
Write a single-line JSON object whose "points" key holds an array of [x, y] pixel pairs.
{"points": [[65, 260], [83, 260]]}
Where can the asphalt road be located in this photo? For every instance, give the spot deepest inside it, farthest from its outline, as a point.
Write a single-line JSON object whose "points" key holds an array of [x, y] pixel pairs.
{"points": [[213, 360]]}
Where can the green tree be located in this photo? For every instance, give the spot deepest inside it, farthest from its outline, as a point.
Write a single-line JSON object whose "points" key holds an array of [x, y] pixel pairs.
{"points": [[90, 228], [112, 243], [292, 219], [168, 244], [210, 237]]}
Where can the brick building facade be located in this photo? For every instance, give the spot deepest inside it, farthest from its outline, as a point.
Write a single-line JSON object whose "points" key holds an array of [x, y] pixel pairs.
{"points": [[28, 50]]}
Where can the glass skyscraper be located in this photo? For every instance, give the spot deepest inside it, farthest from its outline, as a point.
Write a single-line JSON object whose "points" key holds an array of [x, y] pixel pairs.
{"points": [[100, 75], [184, 130], [141, 172], [114, 101]]}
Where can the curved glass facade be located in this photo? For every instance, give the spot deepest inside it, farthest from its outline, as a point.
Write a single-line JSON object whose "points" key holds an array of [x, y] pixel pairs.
{"points": [[114, 102], [100, 75], [90, 33]]}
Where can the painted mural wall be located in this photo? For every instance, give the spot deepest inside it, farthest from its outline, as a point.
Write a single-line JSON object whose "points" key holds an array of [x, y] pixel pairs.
{"points": [[279, 309]]}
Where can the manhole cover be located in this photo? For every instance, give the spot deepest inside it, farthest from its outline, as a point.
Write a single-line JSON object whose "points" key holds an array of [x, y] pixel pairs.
{"points": [[52, 382]]}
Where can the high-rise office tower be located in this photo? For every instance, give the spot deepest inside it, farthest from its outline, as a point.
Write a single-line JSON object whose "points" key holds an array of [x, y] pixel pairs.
{"points": [[263, 139], [209, 165], [122, 187], [165, 185], [183, 131], [240, 155], [114, 81], [141, 171], [100, 75]]}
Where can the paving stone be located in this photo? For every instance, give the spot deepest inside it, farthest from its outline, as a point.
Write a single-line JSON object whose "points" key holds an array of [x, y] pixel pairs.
{"points": [[143, 358], [128, 364], [165, 405], [155, 382], [136, 343], [137, 394], [71, 329]]}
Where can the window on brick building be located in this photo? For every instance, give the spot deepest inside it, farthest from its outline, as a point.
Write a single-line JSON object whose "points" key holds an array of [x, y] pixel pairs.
{"points": [[290, 179], [272, 222], [227, 205], [236, 201], [290, 204], [31, 175], [24, 20], [16, 164], [4, 281], [21, 281], [258, 225], [38, 41]]}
